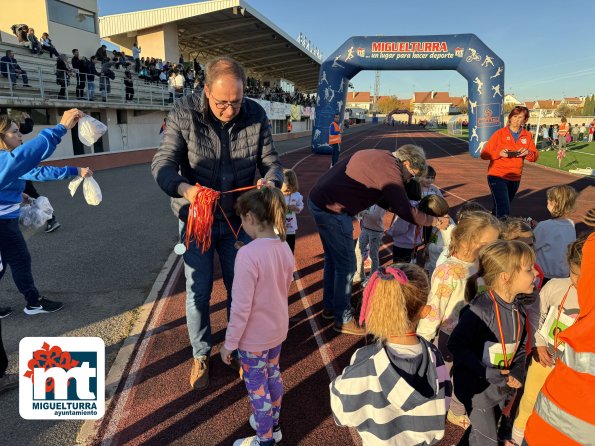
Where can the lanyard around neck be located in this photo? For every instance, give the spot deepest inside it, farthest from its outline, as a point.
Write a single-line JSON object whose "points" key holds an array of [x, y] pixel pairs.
{"points": [[502, 340], [560, 309]]}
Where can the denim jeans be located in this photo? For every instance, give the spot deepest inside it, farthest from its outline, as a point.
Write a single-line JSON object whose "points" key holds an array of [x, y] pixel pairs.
{"points": [[373, 239], [14, 75], [336, 234], [14, 253], [336, 149], [91, 90], [198, 268], [503, 191]]}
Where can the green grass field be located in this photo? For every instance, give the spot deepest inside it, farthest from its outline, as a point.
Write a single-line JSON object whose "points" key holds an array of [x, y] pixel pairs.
{"points": [[578, 155]]}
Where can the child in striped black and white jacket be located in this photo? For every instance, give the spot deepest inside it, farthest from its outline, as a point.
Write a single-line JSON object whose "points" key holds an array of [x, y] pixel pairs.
{"points": [[396, 391]]}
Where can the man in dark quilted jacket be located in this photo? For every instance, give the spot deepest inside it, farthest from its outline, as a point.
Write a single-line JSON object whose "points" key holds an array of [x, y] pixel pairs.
{"points": [[218, 140]]}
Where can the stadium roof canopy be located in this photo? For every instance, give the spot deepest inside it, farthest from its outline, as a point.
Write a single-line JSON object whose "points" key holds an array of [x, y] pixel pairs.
{"points": [[225, 28]]}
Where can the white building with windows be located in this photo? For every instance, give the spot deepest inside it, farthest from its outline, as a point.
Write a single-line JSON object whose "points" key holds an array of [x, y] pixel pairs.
{"points": [[70, 23]]}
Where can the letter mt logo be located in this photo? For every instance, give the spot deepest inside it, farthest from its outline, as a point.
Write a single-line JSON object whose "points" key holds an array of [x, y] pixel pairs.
{"points": [[361, 52], [61, 378]]}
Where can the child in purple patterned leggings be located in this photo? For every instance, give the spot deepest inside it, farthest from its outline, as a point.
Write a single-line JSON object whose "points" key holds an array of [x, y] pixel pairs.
{"points": [[259, 318]]}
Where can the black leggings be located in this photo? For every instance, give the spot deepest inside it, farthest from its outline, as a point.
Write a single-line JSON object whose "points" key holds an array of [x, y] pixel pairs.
{"points": [[290, 238]]}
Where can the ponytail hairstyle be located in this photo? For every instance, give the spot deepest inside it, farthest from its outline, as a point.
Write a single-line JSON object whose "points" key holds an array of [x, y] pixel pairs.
{"points": [[393, 300], [469, 229], [563, 199], [267, 204], [501, 256], [290, 181]]}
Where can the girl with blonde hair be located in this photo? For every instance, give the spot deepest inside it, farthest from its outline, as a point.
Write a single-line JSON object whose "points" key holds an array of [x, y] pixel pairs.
{"points": [[447, 294], [553, 236], [488, 344], [401, 379], [259, 317]]}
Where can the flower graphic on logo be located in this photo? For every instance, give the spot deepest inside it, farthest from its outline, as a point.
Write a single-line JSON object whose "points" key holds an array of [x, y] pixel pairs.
{"points": [[48, 357]]}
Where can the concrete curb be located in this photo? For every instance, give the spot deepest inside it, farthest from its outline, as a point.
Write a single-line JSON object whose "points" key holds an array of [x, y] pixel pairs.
{"points": [[116, 373]]}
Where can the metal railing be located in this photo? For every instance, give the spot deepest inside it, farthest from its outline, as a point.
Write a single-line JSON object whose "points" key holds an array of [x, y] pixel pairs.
{"points": [[46, 84]]}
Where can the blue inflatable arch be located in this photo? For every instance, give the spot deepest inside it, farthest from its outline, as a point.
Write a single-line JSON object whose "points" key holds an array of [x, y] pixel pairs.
{"points": [[465, 53]]}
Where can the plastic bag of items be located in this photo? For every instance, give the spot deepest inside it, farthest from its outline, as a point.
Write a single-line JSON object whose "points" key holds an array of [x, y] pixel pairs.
{"points": [[91, 190], [37, 213], [90, 130]]}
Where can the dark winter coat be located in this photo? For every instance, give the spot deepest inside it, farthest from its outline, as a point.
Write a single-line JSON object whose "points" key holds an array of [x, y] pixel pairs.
{"points": [[190, 151]]}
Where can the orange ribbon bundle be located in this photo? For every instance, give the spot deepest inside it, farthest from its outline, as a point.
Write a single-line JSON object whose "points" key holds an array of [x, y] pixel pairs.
{"points": [[201, 215]]}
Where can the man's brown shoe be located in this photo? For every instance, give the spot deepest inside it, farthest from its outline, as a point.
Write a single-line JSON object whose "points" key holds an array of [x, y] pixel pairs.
{"points": [[350, 328], [199, 376]]}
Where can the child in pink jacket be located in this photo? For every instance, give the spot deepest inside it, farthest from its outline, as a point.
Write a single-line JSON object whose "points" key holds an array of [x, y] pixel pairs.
{"points": [[259, 318]]}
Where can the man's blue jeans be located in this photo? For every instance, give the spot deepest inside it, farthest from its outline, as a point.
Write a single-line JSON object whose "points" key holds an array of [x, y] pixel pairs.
{"points": [[91, 89], [336, 234], [335, 156], [503, 192], [198, 268], [14, 75]]}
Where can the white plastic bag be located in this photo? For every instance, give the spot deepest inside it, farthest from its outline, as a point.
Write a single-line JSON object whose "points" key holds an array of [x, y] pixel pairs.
{"points": [[90, 130], [74, 184], [36, 214], [91, 190]]}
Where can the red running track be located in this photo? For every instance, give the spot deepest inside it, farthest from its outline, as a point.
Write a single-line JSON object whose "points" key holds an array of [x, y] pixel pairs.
{"points": [[154, 404]]}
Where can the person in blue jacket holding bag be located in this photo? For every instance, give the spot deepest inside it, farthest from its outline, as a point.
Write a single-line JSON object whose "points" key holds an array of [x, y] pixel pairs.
{"points": [[18, 163]]}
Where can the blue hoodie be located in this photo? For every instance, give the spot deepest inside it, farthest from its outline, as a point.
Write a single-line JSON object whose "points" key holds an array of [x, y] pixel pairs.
{"points": [[21, 164]]}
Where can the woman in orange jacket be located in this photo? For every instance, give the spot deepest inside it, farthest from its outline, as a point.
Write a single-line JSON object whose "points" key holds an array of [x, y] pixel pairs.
{"points": [[507, 150]]}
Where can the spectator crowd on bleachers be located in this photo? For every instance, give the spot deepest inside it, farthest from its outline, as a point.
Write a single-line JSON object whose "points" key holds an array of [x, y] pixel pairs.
{"points": [[183, 77]]}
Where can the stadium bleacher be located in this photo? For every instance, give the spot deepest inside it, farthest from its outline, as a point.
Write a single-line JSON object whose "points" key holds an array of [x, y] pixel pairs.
{"points": [[41, 71]]}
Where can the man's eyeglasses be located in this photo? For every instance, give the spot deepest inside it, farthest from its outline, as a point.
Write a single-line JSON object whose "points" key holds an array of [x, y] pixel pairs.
{"points": [[222, 105]]}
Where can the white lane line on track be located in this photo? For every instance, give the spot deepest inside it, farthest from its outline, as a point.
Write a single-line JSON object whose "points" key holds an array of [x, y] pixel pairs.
{"points": [[118, 411], [323, 348]]}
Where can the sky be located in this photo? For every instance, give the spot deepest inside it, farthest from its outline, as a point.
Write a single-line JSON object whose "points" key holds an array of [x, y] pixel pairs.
{"points": [[548, 50]]}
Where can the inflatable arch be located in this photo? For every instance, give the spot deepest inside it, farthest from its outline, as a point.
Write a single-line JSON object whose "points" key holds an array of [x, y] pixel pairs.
{"points": [[409, 114], [465, 53]]}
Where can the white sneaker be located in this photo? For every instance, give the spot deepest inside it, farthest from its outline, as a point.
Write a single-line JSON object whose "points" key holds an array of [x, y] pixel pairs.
{"points": [[277, 435], [249, 441]]}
